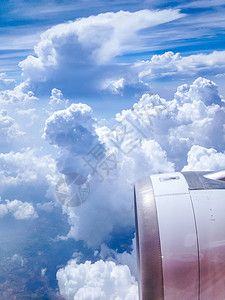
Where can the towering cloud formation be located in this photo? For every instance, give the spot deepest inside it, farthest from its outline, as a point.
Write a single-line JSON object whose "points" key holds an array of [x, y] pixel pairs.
{"points": [[87, 150], [72, 54]]}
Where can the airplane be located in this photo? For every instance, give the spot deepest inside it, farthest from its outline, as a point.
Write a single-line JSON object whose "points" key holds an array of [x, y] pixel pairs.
{"points": [[180, 235]]}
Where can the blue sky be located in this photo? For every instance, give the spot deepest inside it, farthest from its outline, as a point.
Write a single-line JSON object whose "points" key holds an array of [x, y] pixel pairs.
{"points": [[75, 78]]}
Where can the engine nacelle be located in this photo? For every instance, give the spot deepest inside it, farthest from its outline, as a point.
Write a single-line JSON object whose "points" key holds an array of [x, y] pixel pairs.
{"points": [[180, 232]]}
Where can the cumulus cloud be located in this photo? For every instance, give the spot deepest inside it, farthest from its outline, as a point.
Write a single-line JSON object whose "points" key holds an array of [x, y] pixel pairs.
{"points": [[86, 150], [72, 54], [170, 63], [20, 94], [203, 159], [9, 130], [71, 128], [25, 167], [115, 86], [8, 127], [198, 113], [57, 100], [192, 117], [202, 89], [97, 281], [20, 210], [6, 83]]}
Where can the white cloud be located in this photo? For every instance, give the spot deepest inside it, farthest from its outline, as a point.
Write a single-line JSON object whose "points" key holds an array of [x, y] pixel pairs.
{"points": [[203, 159], [115, 86], [138, 76], [23, 106], [72, 128], [20, 210], [170, 64], [202, 89], [8, 128], [76, 132], [98, 281], [6, 82], [202, 3], [104, 36], [194, 117], [72, 54], [47, 206], [197, 113], [3, 210], [25, 167], [20, 94], [57, 101]]}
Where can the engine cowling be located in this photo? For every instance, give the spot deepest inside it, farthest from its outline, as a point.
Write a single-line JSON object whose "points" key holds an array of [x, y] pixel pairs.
{"points": [[180, 233]]}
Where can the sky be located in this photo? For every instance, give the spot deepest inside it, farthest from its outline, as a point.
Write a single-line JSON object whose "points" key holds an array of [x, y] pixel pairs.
{"points": [[95, 95]]}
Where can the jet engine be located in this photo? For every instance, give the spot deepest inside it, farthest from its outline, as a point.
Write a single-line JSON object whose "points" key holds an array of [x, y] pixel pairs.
{"points": [[180, 233]]}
